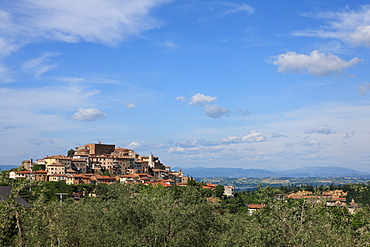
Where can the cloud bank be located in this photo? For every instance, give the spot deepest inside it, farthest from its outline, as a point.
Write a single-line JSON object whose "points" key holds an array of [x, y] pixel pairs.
{"points": [[101, 21]]}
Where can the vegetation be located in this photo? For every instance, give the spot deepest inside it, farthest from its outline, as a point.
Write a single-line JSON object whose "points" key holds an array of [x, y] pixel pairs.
{"points": [[139, 215]]}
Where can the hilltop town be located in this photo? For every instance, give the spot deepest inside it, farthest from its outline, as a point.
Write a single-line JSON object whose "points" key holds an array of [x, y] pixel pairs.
{"points": [[96, 163], [100, 163]]}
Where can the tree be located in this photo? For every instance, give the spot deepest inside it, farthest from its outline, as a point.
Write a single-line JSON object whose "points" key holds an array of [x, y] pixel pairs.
{"points": [[70, 153], [219, 191]]}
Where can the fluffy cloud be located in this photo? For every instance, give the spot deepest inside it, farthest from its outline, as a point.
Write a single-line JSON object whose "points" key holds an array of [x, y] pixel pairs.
{"points": [[254, 136], [364, 88], [89, 114], [103, 21], [316, 63], [215, 111], [201, 99], [361, 36], [230, 140], [320, 130]]}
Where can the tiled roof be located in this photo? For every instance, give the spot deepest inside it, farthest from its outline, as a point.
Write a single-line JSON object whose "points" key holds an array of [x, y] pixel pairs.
{"points": [[41, 171], [256, 206], [22, 172]]}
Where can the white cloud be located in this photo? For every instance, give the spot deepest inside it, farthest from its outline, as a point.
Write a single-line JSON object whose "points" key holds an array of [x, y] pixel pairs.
{"points": [[350, 26], [320, 130], [361, 36], [181, 98], [316, 63], [235, 8], [130, 106], [364, 88], [134, 145], [41, 64], [310, 143], [201, 99], [254, 136], [89, 114], [7, 47], [102, 21], [215, 111], [230, 140]]}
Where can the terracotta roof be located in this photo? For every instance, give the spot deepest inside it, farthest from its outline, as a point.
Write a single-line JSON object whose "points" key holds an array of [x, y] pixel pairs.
{"points": [[23, 172], [41, 171], [129, 176], [256, 206]]}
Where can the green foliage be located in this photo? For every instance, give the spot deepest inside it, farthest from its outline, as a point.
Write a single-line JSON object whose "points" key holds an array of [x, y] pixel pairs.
{"points": [[140, 215], [219, 191], [70, 153], [38, 167]]}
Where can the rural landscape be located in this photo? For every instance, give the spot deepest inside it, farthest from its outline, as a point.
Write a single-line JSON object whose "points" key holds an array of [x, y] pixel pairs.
{"points": [[184, 123], [83, 199]]}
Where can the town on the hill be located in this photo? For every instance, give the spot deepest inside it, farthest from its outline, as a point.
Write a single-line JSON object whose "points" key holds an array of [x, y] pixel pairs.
{"points": [[96, 163]]}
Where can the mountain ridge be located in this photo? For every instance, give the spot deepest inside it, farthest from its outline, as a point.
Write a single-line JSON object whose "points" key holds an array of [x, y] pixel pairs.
{"points": [[314, 171]]}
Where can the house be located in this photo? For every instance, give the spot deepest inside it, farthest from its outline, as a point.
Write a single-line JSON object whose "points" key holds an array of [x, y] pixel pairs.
{"points": [[57, 177], [255, 207], [56, 168], [41, 175], [229, 191], [22, 174]]}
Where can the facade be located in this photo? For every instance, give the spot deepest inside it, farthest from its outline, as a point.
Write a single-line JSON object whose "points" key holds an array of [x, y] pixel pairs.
{"points": [[55, 168]]}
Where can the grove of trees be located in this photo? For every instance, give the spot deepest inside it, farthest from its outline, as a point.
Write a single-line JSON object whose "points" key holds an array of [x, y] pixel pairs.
{"points": [[140, 215]]}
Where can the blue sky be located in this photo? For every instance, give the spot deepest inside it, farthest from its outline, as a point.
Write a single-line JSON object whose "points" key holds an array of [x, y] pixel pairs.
{"points": [[252, 84]]}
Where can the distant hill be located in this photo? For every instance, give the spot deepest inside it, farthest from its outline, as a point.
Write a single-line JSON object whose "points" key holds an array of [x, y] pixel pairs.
{"points": [[318, 171], [6, 167], [203, 172]]}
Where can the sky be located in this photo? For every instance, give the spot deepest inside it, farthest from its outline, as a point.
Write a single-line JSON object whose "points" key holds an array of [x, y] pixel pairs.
{"points": [[269, 84]]}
